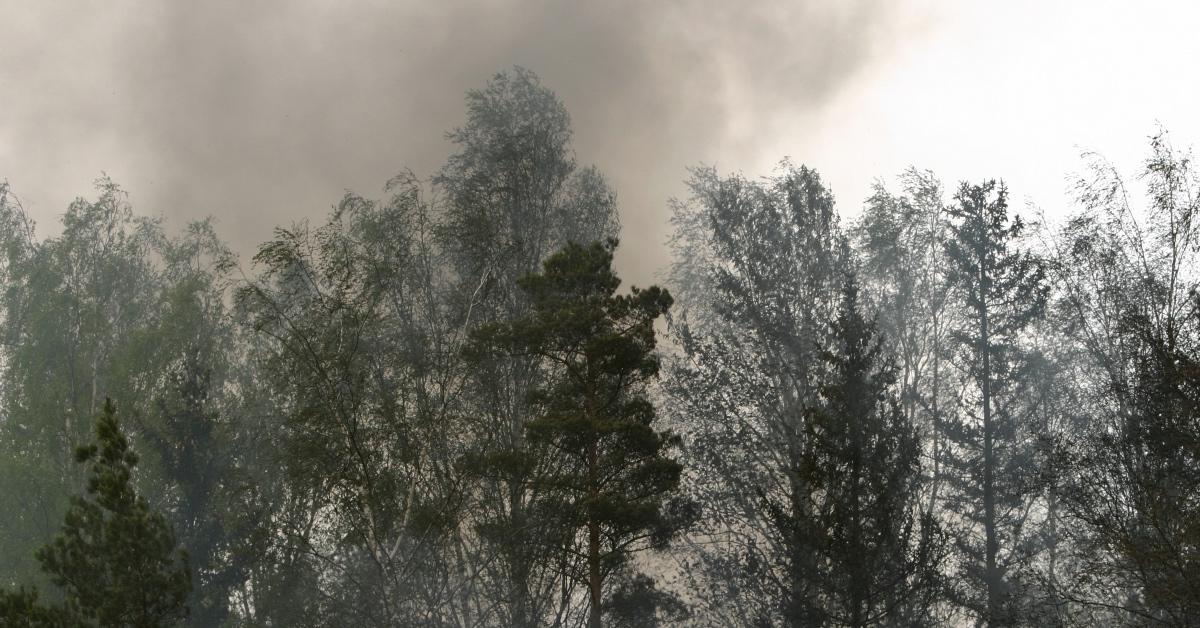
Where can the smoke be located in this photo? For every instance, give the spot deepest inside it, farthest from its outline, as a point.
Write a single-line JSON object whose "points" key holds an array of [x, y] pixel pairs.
{"points": [[262, 113]]}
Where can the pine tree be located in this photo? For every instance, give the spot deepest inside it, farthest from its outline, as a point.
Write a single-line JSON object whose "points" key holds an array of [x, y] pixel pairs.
{"points": [[115, 559], [514, 194], [22, 609], [871, 558], [614, 482]]}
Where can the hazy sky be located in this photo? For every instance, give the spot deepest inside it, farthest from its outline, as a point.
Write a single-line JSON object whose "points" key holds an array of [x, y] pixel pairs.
{"points": [[260, 113]]}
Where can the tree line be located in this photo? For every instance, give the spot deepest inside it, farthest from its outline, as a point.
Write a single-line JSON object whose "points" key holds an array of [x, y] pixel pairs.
{"points": [[439, 408]]}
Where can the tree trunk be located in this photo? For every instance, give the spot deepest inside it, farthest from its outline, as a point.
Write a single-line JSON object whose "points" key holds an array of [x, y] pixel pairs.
{"points": [[593, 539], [593, 481], [992, 572], [936, 477]]}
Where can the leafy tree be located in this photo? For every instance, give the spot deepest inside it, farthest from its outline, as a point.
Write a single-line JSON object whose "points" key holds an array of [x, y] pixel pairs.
{"points": [[354, 358], [1134, 488], [196, 459], [857, 531], [901, 239], [17, 242], [23, 466], [513, 195], [615, 485], [758, 272], [73, 308], [114, 307], [188, 428], [115, 560], [992, 458], [1127, 278]]}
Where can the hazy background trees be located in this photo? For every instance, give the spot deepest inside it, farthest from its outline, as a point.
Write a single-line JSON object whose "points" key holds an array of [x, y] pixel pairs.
{"points": [[437, 408], [758, 273]]}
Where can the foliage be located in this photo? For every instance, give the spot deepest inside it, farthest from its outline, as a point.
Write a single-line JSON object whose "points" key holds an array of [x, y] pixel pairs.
{"points": [[1127, 284], [435, 409], [616, 480], [72, 307], [992, 469], [115, 560], [348, 312], [513, 195], [864, 555], [758, 270]]}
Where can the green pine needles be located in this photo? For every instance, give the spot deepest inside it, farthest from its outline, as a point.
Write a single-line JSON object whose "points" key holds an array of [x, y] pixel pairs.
{"points": [[115, 560], [612, 478]]}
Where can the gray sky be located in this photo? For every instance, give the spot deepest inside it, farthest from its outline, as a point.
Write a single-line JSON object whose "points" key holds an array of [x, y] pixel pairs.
{"points": [[261, 113]]}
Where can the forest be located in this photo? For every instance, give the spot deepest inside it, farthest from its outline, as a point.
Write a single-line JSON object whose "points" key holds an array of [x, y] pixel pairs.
{"points": [[439, 407]]}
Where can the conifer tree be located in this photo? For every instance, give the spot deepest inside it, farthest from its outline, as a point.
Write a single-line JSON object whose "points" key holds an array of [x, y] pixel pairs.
{"points": [[991, 459], [115, 559], [22, 609], [858, 534], [514, 194], [614, 482]]}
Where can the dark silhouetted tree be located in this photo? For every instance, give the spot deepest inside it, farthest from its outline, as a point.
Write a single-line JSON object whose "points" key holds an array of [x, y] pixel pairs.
{"points": [[116, 560], [615, 486], [991, 460], [860, 539]]}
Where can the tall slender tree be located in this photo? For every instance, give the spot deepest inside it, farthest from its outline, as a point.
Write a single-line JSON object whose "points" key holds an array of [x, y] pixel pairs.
{"points": [[901, 240], [1003, 291], [758, 271]]}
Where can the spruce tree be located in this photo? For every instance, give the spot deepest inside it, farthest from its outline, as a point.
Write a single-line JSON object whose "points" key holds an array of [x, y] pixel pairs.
{"points": [[857, 533], [613, 483], [991, 463], [115, 559]]}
